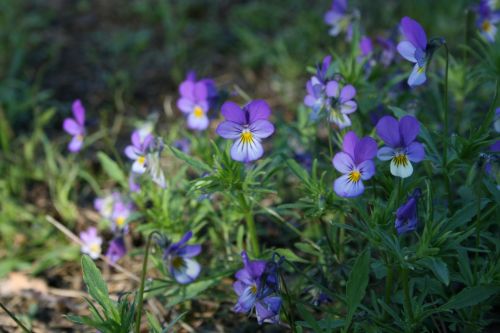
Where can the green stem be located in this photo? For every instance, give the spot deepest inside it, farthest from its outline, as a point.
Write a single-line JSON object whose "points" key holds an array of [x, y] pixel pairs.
{"points": [[289, 313], [389, 281], [445, 132], [18, 322], [252, 233], [141, 288], [406, 291], [330, 147]]}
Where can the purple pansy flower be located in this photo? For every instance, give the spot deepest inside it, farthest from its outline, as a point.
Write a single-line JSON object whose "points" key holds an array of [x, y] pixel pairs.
{"points": [[76, 127], [496, 123], [401, 149], [487, 18], [337, 17], [247, 126], [316, 98], [388, 50], [195, 100], [341, 103], [91, 243], [355, 163], [183, 145], [414, 49], [492, 159], [406, 215], [116, 249], [104, 205], [121, 213], [179, 259], [138, 150], [254, 292], [365, 46]]}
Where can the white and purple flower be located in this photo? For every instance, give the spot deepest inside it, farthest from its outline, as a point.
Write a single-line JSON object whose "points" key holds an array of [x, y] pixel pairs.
{"points": [[180, 262], [91, 242], [355, 163], [104, 205], [338, 18], [487, 18], [121, 213], [138, 150], [316, 98], [414, 49], [76, 127], [341, 103], [247, 126], [401, 149]]}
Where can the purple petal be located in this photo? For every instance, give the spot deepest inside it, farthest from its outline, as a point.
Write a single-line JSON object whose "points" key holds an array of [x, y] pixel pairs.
{"points": [[186, 89], [262, 128], [187, 273], [366, 45], [415, 152], [348, 107], [189, 251], [347, 189], [407, 51], [267, 309], [239, 287], [72, 127], [367, 169], [229, 130], [414, 32], [343, 162], [136, 139], [347, 93], [75, 144], [131, 152], [408, 129], [258, 109], [385, 153], [332, 89], [349, 143], [246, 152], [232, 112], [309, 101], [187, 236], [79, 112], [366, 149], [200, 91], [388, 130], [417, 76], [186, 105]]}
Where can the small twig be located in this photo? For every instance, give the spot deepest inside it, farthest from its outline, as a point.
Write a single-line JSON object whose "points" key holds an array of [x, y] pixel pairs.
{"points": [[77, 240]]}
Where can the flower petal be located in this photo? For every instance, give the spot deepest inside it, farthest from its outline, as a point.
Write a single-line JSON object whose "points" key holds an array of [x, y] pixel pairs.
{"points": [[385, 153], [136, 139], [415, 152], [407, 51], [186, 89], [198, 123], [365, 149], [414, 32], [343, 162], [348, 107], [139, 166], [188, 272], [229, 130], [388, 130], [262, 129], [189, 251], [417, 76], [349, 143], [232, 112], [79, 112], [258, 109], [75, 144], [347, 93], [186, 105], [408, 129], [131, 152], [200, 91], [347, 189], [268, 309], [332, 89], [72, 127], [247, 152], [401, 170], [367, 169]]}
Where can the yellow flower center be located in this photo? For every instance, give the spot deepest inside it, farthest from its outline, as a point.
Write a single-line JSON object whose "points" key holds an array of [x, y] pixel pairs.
{"points": [[120, 221], [246, 137], [141, 159], [400, 159], [198, 112], [95, 248], [177, 262], [486, 25], [79, 137], [253, 289], [354, 176], [420, 70]]}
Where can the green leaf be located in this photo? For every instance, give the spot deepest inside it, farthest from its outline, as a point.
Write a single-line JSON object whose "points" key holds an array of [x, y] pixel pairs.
{"points": [[298, 171], [171, 325], [197, 164], [356, 285], [289, 255], [438, 267], [469, 297], [154, 324], [398, 112], [191, 290], [112, 169], [309, 318]]}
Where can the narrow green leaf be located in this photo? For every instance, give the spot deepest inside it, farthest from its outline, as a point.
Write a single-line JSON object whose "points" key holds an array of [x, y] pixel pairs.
{"points": [[309, 318], [469, 297], [112, 169], [438, 267], [298, 170], [356, 285], [197, 164], [288, 254]]}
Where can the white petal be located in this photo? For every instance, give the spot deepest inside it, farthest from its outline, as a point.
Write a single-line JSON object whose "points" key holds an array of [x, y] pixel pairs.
{"points": [[401, 170]]}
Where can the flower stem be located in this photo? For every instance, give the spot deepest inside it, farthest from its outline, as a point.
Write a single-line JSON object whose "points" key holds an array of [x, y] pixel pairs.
{"points": [[330, 147], [18, 322], [252, 233], [141, 288], [406, 291], [389, 280], [445, 132]]}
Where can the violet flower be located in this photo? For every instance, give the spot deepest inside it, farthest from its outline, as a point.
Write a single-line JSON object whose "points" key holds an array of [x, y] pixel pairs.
{"points": [[138, 150], [401, 149], [91, 242], [365, 46], [487, 18], [337, 17], [121, 213], [195, 100], [253, 291], [406, 215], [247, 126], [104, 205], [76, 127], [496, 123], [341, 103], [180, 262], [355, 163], [388, 50], [153, 162], [414, 49], [316, 98], [116, 249]]}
